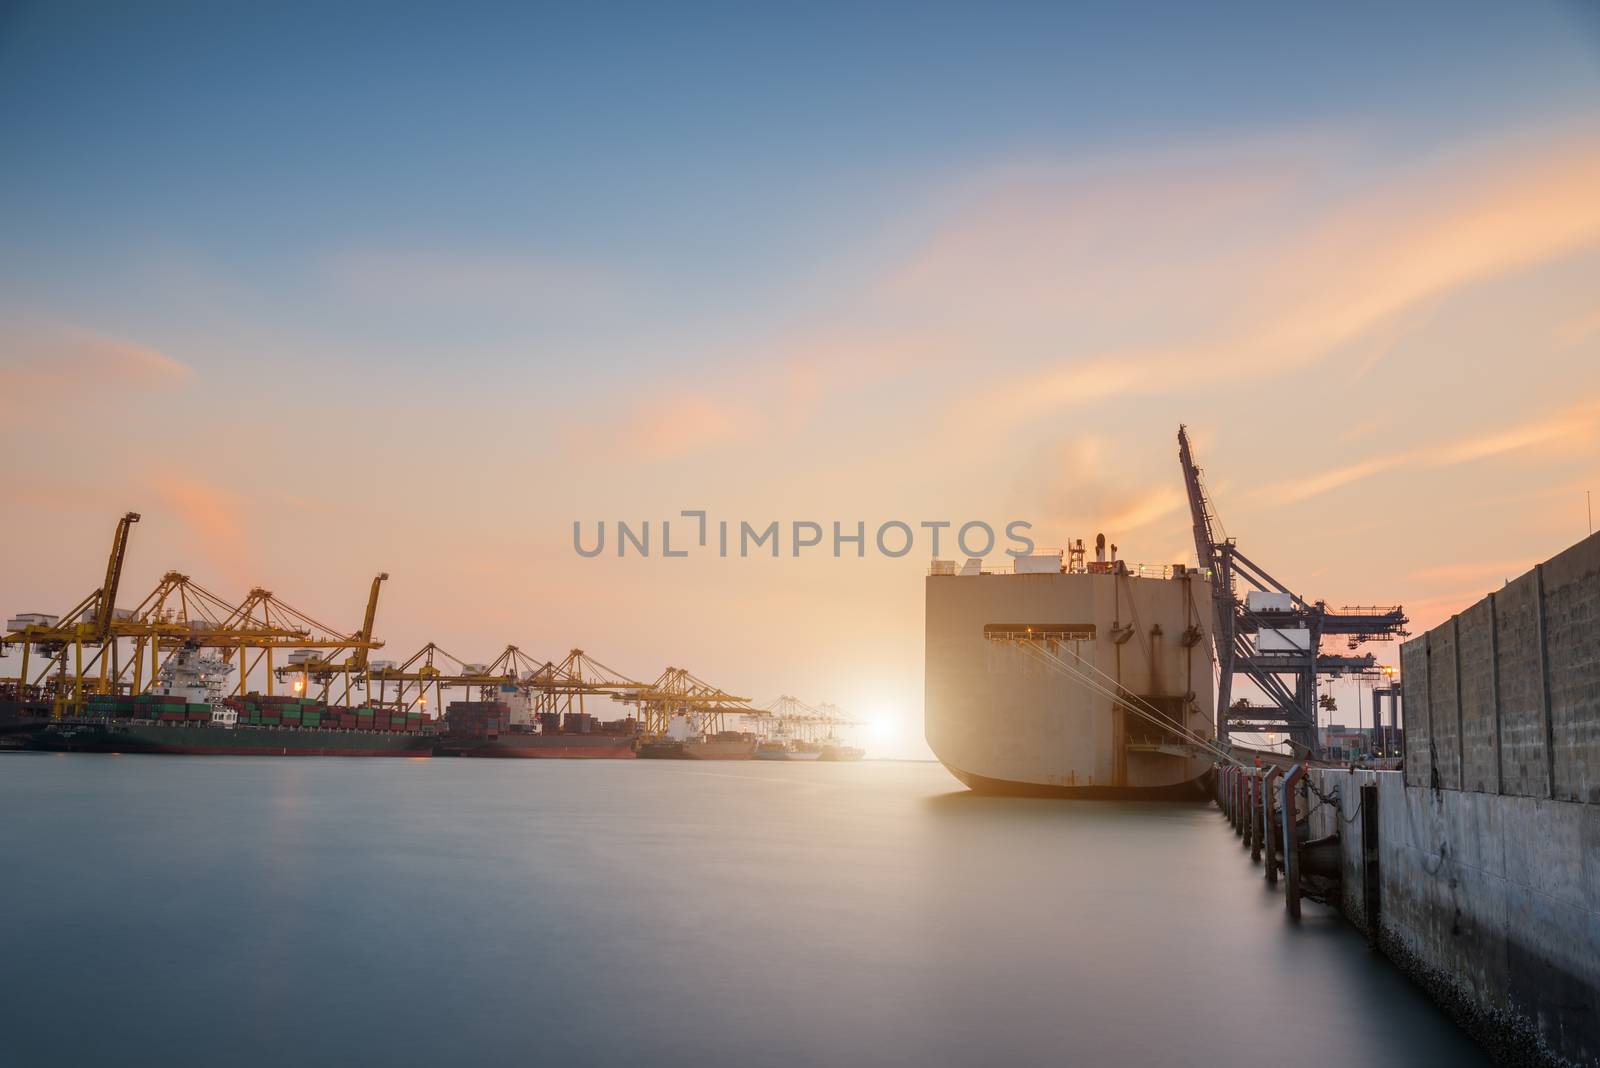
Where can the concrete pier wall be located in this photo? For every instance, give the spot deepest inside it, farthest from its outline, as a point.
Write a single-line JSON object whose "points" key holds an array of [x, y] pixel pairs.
{"points": [[1492, 902], [1504, 698], [1489, 841]]}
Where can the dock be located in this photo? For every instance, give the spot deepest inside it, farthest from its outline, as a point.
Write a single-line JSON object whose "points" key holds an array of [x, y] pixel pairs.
{"points": [[1475, 868]]}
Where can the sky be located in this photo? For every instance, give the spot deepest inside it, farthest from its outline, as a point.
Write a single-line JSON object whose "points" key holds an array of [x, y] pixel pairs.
{"points": [[328, 290]]}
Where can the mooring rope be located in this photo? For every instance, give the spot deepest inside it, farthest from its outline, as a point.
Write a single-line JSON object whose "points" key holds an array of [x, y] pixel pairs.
{"points": [[1123, 696]]}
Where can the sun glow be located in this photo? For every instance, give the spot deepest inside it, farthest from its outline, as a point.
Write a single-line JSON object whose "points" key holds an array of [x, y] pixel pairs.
{"points": [[883, 723]]}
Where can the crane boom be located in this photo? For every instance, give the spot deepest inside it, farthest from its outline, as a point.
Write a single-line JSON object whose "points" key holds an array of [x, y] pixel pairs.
{"points": [[108, 589], [1288, 682], [1205, 540], [359, 659]]}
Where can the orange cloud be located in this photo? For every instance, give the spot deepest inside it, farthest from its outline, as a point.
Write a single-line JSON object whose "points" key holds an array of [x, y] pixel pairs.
{"points": [[1153, 506], [1578, 330], [1358, 270], [678, 424], [778, 390], [213, 517], [1578, 424], [41, 370]]}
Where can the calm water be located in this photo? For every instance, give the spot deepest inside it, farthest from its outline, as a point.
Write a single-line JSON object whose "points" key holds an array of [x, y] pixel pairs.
{"points": [[195, 911]]}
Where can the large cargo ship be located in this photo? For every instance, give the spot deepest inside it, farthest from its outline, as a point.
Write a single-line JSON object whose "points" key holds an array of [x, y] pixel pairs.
{"points": [[1074, 679], [205, 739], [185, 713], [507, 729], [680, 742]]}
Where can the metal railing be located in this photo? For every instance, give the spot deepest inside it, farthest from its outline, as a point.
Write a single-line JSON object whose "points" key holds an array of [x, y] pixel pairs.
{"points": [[1162, 571]]}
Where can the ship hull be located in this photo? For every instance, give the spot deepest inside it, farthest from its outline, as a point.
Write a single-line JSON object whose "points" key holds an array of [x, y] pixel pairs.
{"points": [[1196, 789], [1071, 684], [541, 747], [711, 750], [199, 740]]}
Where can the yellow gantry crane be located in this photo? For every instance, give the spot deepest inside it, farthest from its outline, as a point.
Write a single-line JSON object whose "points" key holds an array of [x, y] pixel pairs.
{"points": [[678, 692], [561, 687], [66, 658], [433, 667], [89, 626], [315, 661]]}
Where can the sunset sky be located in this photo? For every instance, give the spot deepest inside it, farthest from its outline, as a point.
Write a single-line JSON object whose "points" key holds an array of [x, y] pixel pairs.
{"points": [[324, 290]]}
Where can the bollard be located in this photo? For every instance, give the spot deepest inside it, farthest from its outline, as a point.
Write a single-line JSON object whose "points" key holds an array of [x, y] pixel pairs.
{"points": [[1244, 805], [1291, 852], [1372, 883], [1238, 802], [1269, 836], [1255, 815]]}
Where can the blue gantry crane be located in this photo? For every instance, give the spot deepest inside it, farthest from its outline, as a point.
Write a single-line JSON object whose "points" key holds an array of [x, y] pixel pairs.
{"points": [[1272, 636]]}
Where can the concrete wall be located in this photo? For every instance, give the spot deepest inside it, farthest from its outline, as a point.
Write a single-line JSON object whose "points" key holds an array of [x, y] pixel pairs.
{"points": [[1492, 902], [1505, 697], [1418, 736], [1444, 709], [1524, 763], [1475, 694], [1489, 844], [1572, 642]]}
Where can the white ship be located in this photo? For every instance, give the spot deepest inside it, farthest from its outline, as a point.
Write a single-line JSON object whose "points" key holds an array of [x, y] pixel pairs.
{"points": [[1071, 678]]}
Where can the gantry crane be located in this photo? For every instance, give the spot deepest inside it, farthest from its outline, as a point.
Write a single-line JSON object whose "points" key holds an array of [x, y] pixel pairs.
{"points": [[316, 661], [832, 716], [786, 717], [433, 667], [1288, 679], [678, 692], [89, 625], [557, 687], [789, 718]]}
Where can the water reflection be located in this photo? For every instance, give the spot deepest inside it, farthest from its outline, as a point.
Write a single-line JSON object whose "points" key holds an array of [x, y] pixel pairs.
{"points": [[428, 912]]}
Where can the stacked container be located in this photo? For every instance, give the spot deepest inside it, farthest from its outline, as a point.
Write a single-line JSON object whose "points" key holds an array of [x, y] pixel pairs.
{"points": [[479, 719]]}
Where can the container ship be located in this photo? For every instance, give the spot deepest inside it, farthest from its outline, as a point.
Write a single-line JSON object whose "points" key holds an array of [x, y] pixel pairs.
{"points": [[185, 713], [682, 742], [788, 749], [1075, 679], [508, 729]]}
